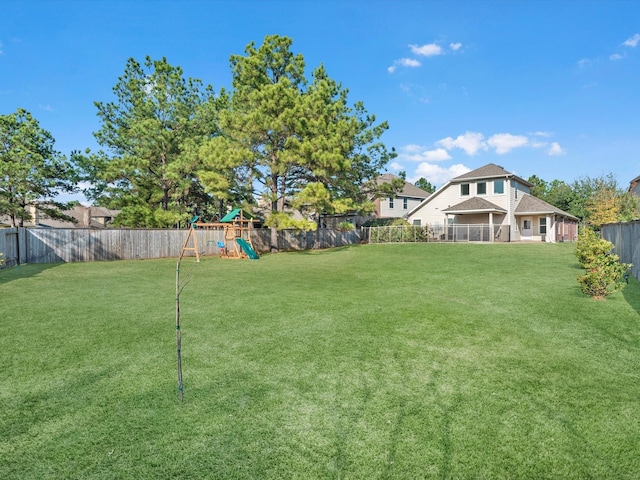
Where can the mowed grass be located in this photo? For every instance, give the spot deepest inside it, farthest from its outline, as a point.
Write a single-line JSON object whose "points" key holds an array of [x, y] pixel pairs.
{"points": [[368, 362]]}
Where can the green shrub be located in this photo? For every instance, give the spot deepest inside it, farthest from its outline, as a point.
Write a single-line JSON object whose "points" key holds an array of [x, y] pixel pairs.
{"points": [[605, 273], [346, 226], [385, 222], [590, 246], [604, 276]]}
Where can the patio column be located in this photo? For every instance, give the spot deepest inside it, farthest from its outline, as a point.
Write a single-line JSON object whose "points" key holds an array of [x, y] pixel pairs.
{"points": [[446, 225], [491, 226]]}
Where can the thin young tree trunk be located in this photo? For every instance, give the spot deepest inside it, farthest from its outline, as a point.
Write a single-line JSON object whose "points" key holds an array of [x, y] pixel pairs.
{"points": [[178, 333]]}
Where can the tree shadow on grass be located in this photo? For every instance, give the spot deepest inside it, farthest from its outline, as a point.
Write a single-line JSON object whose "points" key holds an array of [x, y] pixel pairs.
{"points": [[325, 251], [9, 274], [631, 293]]}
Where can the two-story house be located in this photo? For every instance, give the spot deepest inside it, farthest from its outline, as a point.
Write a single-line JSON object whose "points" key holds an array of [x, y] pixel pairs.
{"points": [[400, 205], [492, 204]]}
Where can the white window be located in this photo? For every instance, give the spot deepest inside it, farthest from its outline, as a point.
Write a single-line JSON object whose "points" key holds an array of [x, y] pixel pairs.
{"points": [[498, 187], [482, 188], [391, 203], [405, 203], [464, 190], [543, 225]]}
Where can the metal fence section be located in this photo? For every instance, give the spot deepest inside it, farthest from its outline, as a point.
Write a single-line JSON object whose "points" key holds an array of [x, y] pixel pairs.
{"points": [[438, 233], [626, 239], [50, 245]]}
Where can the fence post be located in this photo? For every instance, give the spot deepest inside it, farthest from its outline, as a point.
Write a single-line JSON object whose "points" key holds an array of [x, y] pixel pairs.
{"points": [[22, 250]]}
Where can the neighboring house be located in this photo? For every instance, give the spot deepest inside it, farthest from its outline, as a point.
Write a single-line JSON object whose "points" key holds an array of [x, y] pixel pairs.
{"points": [[634, 186], [396, 207], [399, 206], [499, 206], [86, 217]]}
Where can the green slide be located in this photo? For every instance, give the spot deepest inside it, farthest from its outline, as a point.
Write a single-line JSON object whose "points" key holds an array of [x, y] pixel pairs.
{"points": [[246, 248]]}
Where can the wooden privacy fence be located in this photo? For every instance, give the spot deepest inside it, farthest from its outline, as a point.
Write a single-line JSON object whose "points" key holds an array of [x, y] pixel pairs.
{"points": [[50, 245], [9, 244], [626, 239]]}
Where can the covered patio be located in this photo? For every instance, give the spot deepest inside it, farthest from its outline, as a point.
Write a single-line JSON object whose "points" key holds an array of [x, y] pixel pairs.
{"points": [[476, 220]]}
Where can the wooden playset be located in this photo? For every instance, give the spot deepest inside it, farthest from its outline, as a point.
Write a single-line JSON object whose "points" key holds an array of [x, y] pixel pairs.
{"points": [[236, 226]]}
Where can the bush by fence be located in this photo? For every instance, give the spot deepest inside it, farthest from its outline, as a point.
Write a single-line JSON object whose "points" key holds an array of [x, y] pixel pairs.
{"points": [[49, 245]]}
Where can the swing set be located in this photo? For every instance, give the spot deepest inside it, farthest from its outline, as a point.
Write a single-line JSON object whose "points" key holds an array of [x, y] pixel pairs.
{"points": [[236, 244]]}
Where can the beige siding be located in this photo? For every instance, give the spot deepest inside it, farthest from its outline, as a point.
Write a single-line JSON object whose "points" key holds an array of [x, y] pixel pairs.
{"points": [[432, 214], [398, 209], [516, 189]]}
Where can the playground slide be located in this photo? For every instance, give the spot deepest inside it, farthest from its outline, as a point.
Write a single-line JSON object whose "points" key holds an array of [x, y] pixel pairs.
{"points": [[246, 248]]}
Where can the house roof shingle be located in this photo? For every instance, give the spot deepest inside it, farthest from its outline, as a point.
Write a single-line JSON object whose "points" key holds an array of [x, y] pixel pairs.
{"points": [[475, 205], [409, 189], [490, 170], [533, 205]]}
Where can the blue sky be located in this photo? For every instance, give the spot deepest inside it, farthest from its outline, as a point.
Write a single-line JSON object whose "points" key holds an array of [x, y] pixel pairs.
{"points": [[550, 88]]}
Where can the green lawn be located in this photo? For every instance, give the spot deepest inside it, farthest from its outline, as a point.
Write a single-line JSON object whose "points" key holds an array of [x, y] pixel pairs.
{"points": [[376, 361]]}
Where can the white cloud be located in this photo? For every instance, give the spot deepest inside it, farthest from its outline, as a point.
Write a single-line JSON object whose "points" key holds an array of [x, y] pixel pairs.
{"points": [[1, 51], [395, 166], [417, 153], [470, 142], [505, 142], [616, 56], [632, 41], [48, 108], [409, 62], [428, 50], [584, 63], [556, 149], [542, 134], [437, 155], [412, 148], [404, 62], [436, 174]]}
